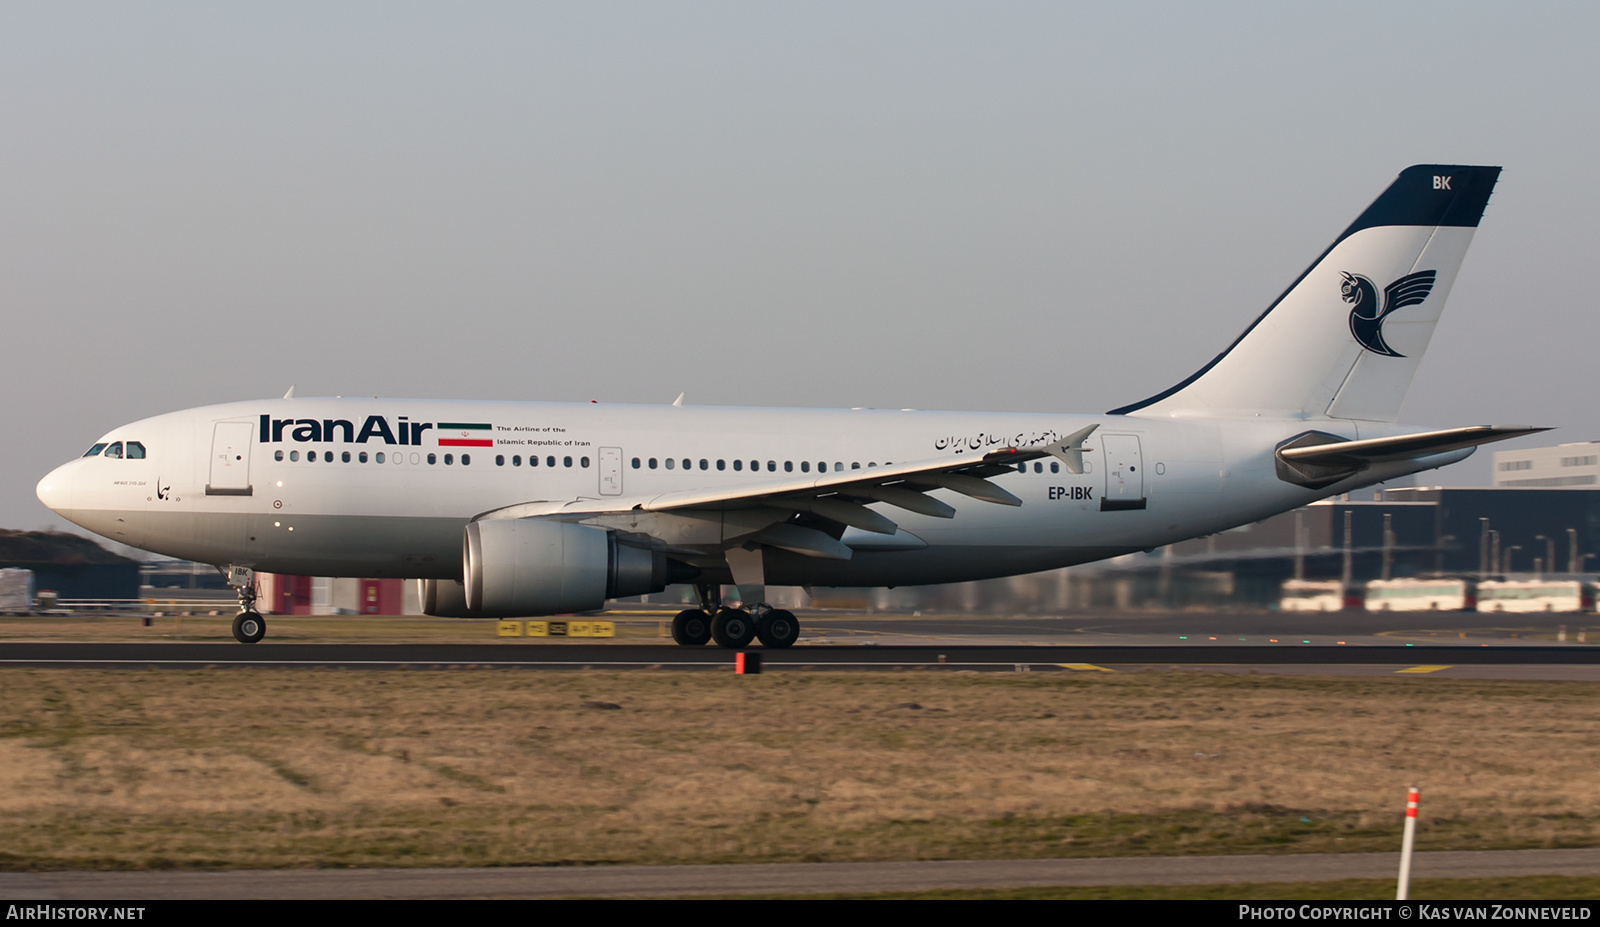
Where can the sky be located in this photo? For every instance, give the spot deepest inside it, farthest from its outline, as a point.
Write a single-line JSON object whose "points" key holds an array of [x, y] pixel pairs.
{"points": [[981, 206]]}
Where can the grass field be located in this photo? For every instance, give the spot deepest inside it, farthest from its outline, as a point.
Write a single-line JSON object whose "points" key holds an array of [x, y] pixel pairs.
{"points": [[296, 768]]}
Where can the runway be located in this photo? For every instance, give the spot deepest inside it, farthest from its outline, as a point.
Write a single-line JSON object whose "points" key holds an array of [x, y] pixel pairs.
{"points": [[1437, 644], [1481, 661], [784, 878]]}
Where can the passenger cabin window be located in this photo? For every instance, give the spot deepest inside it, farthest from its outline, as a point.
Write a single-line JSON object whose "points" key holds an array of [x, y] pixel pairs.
{"points": [[115, 450], [95, 451], [294, 455], [277, 455]]}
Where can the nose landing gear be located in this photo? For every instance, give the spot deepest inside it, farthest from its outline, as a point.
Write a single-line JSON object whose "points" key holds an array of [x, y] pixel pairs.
{"points": [[248, 625]]}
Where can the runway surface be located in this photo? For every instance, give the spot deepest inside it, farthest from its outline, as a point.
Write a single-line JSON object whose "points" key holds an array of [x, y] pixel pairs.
{"points": [[783, 878], [1444, 644], [1530, 662]]}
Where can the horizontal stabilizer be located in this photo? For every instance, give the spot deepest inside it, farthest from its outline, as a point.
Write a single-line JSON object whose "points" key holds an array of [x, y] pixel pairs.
{"points": [[1405, 447], [1316, 459]]}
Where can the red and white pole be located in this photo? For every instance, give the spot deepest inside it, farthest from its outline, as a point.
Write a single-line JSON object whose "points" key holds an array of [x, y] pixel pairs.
{"points": [[1406, 845]]}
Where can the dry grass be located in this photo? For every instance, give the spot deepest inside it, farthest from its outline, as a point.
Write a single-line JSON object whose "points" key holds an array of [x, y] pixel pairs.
{"points": [[268, 768]]}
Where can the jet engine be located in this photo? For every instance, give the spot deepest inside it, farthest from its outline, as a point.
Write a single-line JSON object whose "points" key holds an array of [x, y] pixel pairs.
{"points": [[517, 567]]}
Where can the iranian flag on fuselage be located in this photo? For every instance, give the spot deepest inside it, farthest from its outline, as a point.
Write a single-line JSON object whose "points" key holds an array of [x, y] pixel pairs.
{"points": [[465, 434]]}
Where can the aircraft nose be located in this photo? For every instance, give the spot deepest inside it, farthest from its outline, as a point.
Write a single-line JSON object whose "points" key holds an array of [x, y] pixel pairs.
{"points": [[55, 490]]}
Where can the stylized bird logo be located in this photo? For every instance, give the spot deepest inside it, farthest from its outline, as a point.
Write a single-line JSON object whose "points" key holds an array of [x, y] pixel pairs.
{"points": [[1366, 316]]}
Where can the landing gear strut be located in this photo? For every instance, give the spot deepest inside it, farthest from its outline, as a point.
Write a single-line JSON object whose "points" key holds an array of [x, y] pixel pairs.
{"points": [[248, 625], [733, 628]]}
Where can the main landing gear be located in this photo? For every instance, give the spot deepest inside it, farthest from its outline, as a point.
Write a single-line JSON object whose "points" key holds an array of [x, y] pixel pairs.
{"points": [[733, 628], [248, 625]]}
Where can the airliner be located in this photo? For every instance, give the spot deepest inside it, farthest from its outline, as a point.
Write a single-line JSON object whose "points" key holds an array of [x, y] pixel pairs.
{"points": [[512, 509]]}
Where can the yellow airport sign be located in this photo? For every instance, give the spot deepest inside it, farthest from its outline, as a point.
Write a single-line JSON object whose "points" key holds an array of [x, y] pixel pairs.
{"points": [[584, 628]]}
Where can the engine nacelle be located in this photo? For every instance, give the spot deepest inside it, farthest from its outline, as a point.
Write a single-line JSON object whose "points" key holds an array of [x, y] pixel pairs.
{"points": [[443, 598], [532, 566]]}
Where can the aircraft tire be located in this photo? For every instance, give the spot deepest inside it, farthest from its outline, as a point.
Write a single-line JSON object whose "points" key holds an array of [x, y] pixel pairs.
{"points": [[733, 628], [249, 627], [778, 629], [691, 627]]}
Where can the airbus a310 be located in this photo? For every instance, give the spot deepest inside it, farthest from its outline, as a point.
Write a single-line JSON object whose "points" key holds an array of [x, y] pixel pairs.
{"points": [[503, 509]]}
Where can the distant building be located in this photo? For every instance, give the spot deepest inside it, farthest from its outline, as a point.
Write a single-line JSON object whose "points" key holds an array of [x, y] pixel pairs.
{"points": [[73, 567], [323, 595], [1549, 467]]}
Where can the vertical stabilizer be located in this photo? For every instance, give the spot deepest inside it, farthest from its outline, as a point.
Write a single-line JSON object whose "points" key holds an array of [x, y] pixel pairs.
{"points": [[1345, 339]]}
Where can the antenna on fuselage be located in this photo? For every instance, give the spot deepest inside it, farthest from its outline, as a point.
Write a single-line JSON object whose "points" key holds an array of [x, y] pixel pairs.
{"points": [[290, 393], [679, 401]]}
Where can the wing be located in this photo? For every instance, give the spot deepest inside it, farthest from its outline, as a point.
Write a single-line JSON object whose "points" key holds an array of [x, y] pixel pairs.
{"points": [[1409, 290], [805, 515]]}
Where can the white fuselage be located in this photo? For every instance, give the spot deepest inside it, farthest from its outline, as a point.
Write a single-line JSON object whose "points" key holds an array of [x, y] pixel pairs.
{"points": [[297, 485]]}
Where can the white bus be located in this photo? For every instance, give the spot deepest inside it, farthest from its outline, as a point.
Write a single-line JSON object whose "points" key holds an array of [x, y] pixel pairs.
{"points": [[1419, 595], [1311, 595], [16, 592], [1534, 596]]}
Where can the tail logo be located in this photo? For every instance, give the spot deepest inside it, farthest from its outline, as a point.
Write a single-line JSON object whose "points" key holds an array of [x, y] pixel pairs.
{"points": [[1366, 315]]}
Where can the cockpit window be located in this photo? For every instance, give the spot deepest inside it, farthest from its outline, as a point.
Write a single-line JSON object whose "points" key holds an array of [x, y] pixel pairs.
{"points": [[135, 450], [115, 450], [95, 451]]}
